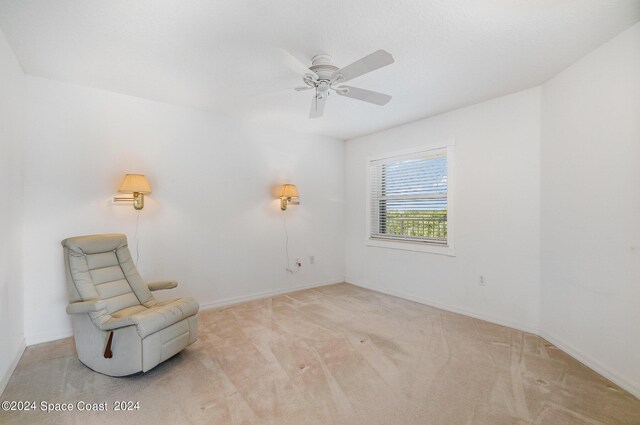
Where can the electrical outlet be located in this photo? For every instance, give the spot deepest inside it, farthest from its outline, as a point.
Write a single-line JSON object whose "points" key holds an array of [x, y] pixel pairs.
{"points": [[482, 281], [312, 259]]}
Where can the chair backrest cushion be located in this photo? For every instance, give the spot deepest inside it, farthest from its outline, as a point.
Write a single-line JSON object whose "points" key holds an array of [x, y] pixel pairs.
{"points": [[101, 267]]}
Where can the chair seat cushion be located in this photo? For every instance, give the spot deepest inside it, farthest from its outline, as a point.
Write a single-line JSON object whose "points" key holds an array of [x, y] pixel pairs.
{"points": [[129, 311], [161, 316], [151, 320]]}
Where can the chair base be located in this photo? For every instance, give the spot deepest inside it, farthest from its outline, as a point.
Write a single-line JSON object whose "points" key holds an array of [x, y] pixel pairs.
{"points": [[131, 354]]}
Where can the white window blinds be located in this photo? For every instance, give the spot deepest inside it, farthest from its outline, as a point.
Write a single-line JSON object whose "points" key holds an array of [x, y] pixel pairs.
{"points": [[409, 197]]}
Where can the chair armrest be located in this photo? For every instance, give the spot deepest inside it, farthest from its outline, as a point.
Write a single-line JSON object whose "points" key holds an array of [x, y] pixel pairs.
{"points": [[83, 307], [162, 284], [114, 323]]}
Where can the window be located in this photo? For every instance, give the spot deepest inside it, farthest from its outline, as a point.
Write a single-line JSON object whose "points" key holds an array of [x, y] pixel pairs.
{"points": [[409, 203]]}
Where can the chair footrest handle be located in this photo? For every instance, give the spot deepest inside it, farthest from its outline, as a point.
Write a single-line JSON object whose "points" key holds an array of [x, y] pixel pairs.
{"points": [[107, 349]]}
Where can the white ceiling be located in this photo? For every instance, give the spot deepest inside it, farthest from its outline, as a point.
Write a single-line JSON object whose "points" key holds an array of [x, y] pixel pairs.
{"points": [[217, 55]]}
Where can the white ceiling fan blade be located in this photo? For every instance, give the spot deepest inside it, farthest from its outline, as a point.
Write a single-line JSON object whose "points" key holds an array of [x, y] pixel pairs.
{"points": [[317, 105], [365, 95], [369, 63], [303, 88], [294, 64]]}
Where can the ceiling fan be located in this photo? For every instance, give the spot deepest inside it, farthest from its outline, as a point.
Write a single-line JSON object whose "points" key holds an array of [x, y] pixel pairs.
{"points": [[324, 77]]}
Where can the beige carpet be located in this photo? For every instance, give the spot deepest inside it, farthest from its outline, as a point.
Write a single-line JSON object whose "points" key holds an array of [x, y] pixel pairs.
{"points": [[334, 355]]}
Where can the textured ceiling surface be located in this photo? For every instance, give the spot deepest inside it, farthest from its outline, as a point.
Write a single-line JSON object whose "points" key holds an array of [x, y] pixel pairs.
{"points": [[219, 55]]}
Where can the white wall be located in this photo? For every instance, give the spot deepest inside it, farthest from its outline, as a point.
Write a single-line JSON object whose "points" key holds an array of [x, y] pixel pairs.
{"points": [[497, 178], [211, 222], [11, 137], [591, 209]]}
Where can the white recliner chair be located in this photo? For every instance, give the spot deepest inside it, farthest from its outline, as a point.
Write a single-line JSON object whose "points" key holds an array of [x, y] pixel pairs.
{"points": [[119, 327]]}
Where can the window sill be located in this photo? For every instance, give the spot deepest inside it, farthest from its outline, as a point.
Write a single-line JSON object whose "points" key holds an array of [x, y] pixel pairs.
{"points": [[412, 246]]}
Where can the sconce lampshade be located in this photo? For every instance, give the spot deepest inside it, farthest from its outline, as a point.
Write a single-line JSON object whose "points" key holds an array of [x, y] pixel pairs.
{"points": [[289, 191], [135, 183]]}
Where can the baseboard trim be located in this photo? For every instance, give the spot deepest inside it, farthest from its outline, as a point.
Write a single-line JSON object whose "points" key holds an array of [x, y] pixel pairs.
{"points": [[47, 337], [519, 326], [265, 294], [622, 382], [12, 367], [53, 336], [617, 379]]}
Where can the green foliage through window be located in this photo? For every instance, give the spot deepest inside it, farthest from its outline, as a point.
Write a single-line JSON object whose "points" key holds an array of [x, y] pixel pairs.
{"points": [[423, 224]]}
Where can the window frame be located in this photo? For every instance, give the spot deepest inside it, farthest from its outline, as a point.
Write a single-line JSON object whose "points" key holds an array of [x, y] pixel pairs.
{"points": [[409, 245]]}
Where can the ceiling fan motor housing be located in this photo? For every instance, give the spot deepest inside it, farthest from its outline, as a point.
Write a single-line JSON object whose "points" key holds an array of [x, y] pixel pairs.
{"points": [[323, 66]]}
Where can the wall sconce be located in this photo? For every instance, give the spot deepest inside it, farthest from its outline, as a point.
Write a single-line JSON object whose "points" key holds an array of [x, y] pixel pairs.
{"points": [[288, 192], [136, 184]]}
